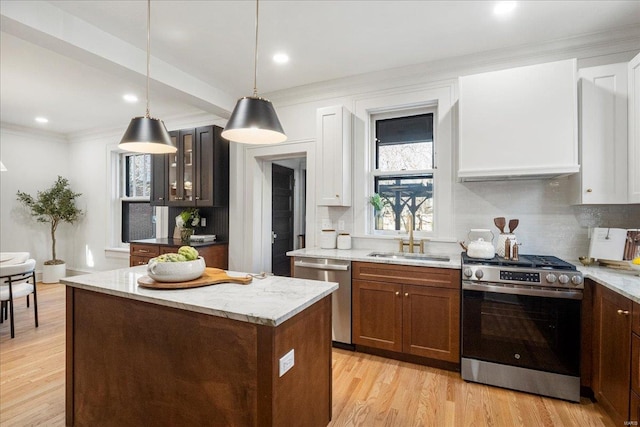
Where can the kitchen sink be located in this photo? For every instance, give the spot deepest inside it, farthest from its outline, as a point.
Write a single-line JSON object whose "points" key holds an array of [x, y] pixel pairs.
{"points": [[409, 257]]}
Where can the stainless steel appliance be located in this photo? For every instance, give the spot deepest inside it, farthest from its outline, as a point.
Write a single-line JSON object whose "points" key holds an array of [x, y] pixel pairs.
{"points": [[521, 324], [331, 270]]}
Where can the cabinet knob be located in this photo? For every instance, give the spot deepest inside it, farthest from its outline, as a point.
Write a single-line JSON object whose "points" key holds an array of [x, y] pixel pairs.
{"points": [[625, 312], [589, 190], [197, 197], [160, 198], [406, 294], [397, 293], [337, 196]]}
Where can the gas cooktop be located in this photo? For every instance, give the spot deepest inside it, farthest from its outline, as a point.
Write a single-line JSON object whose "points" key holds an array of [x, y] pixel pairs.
{"points": [[545, 262]]}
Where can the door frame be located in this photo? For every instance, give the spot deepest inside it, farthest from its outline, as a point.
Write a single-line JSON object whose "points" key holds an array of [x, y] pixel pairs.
{"points": [[249, 214]]}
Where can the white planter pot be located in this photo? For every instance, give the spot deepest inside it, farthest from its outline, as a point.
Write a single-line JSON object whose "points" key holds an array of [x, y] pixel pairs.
{"points": [[53, 273]]}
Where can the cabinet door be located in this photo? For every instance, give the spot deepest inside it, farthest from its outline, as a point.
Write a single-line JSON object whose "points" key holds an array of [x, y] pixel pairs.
{"points": [[635, 363], [212, 166], [182, 170], [204, 166], [159, 179], [333, 128], [431, 322], [377, 315], [612, 353], [603, 136]]}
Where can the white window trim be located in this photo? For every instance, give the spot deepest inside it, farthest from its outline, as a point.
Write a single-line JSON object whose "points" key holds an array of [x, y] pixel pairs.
{"points": [[441, 95], [389, 114]]}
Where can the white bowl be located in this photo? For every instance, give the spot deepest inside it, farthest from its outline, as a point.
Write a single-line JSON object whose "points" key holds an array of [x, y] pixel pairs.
{"points": [[175, 271]]}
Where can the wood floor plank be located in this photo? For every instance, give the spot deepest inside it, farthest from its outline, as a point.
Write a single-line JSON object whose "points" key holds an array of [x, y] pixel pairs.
{"points": [[367, 390]]}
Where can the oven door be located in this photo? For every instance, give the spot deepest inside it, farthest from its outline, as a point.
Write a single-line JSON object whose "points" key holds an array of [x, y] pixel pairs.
{"points": [[530, 330]]}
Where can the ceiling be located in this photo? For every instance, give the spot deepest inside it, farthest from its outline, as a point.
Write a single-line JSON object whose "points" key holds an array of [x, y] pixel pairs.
{"points": [[72, 61]]}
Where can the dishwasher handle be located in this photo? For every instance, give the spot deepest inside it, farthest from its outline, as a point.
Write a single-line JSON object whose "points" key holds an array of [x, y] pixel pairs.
{"points": [[335, 267]]}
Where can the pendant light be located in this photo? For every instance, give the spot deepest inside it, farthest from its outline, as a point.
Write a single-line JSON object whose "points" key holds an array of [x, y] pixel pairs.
{"points": [[146, 134], [254, 120]]}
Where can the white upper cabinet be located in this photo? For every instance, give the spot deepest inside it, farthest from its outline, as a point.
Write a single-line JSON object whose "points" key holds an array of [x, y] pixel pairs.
{"points": [[603, 135], [634, 130], [519, 122], [333, 141]]}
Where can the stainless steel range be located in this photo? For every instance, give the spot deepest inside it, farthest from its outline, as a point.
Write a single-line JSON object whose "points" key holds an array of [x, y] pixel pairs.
{"points": [[521, 324]]}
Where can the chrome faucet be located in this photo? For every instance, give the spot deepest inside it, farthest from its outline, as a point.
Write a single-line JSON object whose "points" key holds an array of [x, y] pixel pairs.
{"points": [[411, 242]]}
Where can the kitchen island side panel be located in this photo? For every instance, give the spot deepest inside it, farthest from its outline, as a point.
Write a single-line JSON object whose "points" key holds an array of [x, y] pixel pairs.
{"points": [[137, 363]]}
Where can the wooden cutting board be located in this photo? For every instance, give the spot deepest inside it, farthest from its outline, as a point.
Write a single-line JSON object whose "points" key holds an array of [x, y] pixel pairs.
{"points": [[211, 276]]}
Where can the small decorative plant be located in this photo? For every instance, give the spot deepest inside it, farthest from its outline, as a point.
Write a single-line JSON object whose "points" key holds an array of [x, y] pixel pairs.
{"points": [[55, 205], [378, 202], [189, 218]]}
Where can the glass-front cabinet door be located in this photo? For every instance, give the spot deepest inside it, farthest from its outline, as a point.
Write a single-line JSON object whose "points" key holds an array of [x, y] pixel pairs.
{"points": [[182, 169]]}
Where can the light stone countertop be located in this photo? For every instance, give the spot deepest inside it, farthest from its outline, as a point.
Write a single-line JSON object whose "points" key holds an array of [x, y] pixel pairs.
{"points": [[269, 301], [624, 282], [362, 255]]}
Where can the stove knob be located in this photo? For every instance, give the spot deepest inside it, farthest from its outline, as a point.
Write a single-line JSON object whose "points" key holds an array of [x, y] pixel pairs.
{"points": [[467, 272], [564, 279], [576, 280], [551, 278], [479, 274]]}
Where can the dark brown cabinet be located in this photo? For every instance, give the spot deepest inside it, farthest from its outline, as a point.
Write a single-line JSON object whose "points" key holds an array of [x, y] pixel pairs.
{"points": [[406, 309], [612, 352], [159, 179], [216, 255], [197, 175]]}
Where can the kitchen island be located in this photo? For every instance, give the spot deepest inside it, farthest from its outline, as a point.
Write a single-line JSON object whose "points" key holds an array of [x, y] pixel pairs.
{"points": [[202, 356]]}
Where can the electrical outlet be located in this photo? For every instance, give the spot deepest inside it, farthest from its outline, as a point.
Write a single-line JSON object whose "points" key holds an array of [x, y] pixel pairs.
{"points": [[203, 222], [286, 362], [341, 225], [326, 224]]}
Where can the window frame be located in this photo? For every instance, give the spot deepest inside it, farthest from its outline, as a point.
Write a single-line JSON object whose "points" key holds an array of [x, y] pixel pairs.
{"points": [[376, 174], [122, 188]]}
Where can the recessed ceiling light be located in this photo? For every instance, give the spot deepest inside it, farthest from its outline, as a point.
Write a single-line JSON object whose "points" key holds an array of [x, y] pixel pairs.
{"points": [[504, 7], [130, 98], [42, 120], [280, 58]]}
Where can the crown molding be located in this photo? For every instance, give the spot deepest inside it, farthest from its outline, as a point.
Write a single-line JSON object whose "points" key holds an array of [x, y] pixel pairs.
{"points": [[624, 39], [31, 132]]}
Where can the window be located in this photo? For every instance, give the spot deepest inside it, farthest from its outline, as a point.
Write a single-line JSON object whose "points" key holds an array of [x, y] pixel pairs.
{"points": [[137, 221], [404, 171]]}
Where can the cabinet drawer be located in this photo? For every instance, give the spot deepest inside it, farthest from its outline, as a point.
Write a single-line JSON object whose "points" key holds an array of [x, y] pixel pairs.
{"points": [[406, 274], [138, 260], [148, 251]]}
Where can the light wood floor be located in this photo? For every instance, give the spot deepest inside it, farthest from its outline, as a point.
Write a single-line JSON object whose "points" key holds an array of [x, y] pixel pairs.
{"points": [[367, 390]]}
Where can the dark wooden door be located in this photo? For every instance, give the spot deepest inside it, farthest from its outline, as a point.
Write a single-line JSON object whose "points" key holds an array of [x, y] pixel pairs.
{"points": [[431, 322], [612, 353], [377, 314], [281, 219], [203, 180]]}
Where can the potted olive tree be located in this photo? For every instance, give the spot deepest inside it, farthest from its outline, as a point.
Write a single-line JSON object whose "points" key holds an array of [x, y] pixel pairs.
{"points": [[54, 206]]}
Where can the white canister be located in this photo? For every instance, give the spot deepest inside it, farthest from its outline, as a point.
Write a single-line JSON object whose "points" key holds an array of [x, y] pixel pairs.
{"points": [[328, 239], [344, 241], [502, 237]]}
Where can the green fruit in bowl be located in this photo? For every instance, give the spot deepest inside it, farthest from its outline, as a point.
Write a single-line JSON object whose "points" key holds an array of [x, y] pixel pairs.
{"points": [[188, 252]]}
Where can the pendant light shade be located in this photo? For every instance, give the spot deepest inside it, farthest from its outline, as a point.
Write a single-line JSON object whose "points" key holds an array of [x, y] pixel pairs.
{"points": [[254, 120], [146, 134]]}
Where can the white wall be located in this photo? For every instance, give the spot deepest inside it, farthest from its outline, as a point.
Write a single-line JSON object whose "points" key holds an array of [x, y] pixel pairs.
{"points": [[548, 223], [33, 161]]}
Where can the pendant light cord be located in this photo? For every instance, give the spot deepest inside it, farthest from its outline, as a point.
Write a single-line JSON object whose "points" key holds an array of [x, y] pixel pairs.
{"points": [[148, 51], [255, 58]]}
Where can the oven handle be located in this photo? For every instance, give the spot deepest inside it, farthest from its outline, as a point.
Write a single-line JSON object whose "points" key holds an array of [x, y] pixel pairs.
{"points": [[569, 294]]}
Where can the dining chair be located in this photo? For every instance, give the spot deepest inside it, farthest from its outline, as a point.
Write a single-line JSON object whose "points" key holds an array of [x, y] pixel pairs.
{"points": [[17, 280]]}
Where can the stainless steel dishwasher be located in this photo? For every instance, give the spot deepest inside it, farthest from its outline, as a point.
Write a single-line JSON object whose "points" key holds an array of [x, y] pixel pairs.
{"points": [[331, 270]]}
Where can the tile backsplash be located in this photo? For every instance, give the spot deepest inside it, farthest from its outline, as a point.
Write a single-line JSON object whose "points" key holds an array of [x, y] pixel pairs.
{"points": [[549, 224]]}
